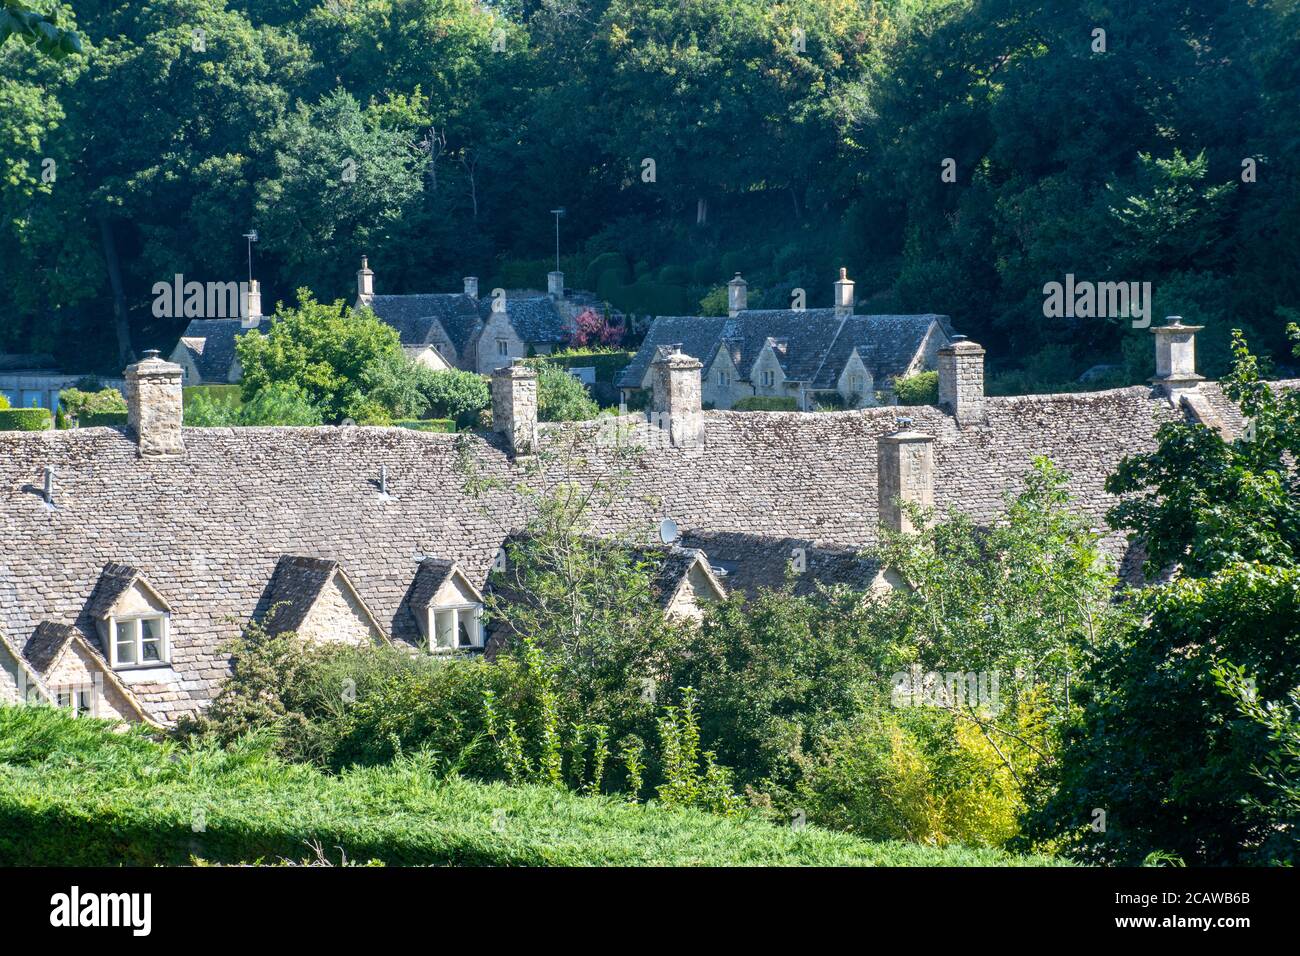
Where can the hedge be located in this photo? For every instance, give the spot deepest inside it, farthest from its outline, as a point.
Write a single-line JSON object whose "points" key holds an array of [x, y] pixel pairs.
{"points": [[25, 419], [218, 393], [766, 403], [75, 793], [93, 419], [919, 389], [606, 364], [427, 424]]}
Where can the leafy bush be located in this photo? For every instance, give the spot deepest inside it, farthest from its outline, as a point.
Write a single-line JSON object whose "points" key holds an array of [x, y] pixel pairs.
{"points": [[560, 396], [4, 403], [275, 404], [25, 419], [79, 404], [457, 395], [919, 389], [766, 403]]}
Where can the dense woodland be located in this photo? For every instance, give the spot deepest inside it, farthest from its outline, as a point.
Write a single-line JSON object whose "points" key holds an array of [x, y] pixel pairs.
{"points": [[787, 139]]}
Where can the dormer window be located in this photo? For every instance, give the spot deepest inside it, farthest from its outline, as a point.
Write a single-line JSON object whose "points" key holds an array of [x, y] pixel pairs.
{"points": [[138, 641], [448, 607], [456, 628]]}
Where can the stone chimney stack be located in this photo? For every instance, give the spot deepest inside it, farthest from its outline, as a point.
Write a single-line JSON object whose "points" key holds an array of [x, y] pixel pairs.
{"points": [[844, 294], [471, 286], [905, 475], [514, 406], [1176, 357], [737, 296], [555, 285], [961, 379], [154, 409], [252, 316], [365, 283], [677, 395]]}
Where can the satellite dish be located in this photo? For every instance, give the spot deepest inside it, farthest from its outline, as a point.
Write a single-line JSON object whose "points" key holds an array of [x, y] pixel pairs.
{"points": [[668, 532]]}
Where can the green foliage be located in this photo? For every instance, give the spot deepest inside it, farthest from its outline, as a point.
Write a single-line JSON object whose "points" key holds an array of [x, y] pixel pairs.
{"points": [[25, 419], [74, 792], [692, 778], [919, 389], [279, 403], [457, 395], [607, 362], [766, 403], [328, 352], [79, 404], [38, 30], [427, 424], [560, 396], [1182, 777], [98, 419]]}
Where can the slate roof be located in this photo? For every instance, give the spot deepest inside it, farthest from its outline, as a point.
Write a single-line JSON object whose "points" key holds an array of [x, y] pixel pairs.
{"points": [[295, 585], [535, 318], [211, 344], [413, 316], [45, 645], [751, 562], [815, 343], [208, 531], [431, 574], [114, 581]]}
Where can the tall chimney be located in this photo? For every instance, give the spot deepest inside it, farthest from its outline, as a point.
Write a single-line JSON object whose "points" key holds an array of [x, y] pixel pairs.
{"points": [[514, 406], [252, 316], [961, 379], [676, 400], [905, 475], [737, 296], [154, 409], [1176, 357], [844, 294], [471, 286], [365, 283], [555, 285]]}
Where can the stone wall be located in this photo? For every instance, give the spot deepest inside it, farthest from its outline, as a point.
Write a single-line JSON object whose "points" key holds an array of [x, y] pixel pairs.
{"points": [[337, 618]]}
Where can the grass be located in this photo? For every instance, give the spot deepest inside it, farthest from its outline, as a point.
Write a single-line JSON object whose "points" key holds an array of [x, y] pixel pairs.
{"points": [[76, 793]]}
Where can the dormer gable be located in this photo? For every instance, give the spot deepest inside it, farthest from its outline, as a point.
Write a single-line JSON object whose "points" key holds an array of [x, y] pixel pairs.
{"points": [[447, 606], [133, 620], [72, 675], [315, 598]]}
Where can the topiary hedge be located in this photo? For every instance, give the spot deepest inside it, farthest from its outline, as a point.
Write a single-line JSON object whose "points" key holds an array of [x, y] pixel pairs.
{"points": [[94, 419], [25, 419], [766, 403]]}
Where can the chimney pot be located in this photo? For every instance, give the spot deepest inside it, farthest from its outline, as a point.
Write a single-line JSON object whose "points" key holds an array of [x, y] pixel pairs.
{"points": [[555, 285], [365, 283]]}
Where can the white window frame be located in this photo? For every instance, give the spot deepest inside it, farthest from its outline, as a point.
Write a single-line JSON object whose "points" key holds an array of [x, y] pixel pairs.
{"points": [[164, 649], [475, 614]]}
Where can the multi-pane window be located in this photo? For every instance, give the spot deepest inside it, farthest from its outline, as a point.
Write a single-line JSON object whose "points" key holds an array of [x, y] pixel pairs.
{"points": [[724, 378], [856, 384], [139, 641], [456, 628], [503, 347]]}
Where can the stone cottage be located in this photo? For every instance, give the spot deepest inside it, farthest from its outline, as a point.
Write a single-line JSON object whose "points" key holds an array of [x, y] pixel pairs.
{"points": [[796, 354], [132, 555]]}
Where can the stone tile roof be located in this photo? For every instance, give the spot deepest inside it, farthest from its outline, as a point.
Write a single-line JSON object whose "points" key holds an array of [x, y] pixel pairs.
{"points": [[211, 344], [751, 562], [887, 344], [413, 316], [815, 343], [431, 574], [208, 531], [114, 581], [295, 586], [535, 318], [45, 645]]}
